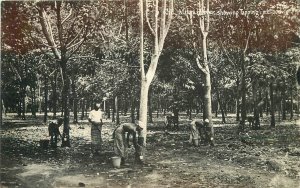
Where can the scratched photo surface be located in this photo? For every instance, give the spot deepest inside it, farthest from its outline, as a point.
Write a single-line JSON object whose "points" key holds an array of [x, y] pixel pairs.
{"points": [[150, 93]]}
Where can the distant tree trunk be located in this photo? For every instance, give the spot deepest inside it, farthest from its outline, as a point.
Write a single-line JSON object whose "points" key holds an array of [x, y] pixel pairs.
{"points": [[283, 98], [108, 106], [190, 109], [222, 112], [243, 94], [82, 108], [19, 109], [33, 102], [117, 110], [46, 100], [132, 110], [225, 108], [292, 103], [158, 106], [65, 104], [54, 93], [217, 106], [150, 106], [39, 97], [75, 101], [237, 102], [125, 105], [3, 111], [114, 110], [272, 105], [132, 107], [23, 102], [267, 102], [86, 107], [260, 108], [255, 105], [279, 105], [221, 104]]}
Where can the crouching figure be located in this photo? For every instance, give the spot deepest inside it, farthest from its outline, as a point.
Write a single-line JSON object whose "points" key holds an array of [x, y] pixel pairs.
{"points": [[53, 129], [199, 131], [121, 143]]}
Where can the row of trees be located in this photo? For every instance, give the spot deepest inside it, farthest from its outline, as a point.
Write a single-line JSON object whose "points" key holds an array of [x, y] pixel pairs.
{"points": [[202, 55]]}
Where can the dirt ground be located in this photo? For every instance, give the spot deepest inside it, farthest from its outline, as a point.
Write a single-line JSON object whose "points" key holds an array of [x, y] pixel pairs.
{"points": [[262, 158]]}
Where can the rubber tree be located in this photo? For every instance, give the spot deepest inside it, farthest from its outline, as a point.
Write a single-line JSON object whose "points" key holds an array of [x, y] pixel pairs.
{"points": [[202, 27], [64, 31], [159, 27]]}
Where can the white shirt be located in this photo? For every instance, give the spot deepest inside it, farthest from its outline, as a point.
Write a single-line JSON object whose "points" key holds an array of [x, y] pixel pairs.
{"points": [[95, 116]]}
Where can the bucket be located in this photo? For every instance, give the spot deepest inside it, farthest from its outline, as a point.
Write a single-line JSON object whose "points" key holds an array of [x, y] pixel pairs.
{"points": [[116, 161]]}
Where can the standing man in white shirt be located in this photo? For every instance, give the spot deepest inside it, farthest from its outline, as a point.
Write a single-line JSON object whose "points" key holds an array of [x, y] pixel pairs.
{"points": [[95, 117]]}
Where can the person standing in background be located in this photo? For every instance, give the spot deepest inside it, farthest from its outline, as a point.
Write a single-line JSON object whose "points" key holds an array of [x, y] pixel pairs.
{"points": [[95, 117]]}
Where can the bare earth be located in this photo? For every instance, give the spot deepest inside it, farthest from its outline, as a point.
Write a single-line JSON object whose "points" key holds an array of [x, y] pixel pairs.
{"points": [[263, 158]]}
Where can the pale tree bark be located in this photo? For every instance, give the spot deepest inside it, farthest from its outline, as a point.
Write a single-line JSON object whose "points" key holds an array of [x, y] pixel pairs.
{"points": [[161, 22], [63, 48], [203, 64]]}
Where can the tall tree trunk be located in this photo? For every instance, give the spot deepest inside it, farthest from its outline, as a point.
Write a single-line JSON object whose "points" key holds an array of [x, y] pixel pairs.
{"points": [[272, 105], [161, 24], [143, 116], [207, 105], [46, 100], [243, 94], [65, 105]]}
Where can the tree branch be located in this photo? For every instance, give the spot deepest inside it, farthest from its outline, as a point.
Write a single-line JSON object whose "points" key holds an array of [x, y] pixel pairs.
{"points": [[76, 37], [247, 43], [199, 65], [46, 32], [142, 41], [147, 19], [170, 15], [68, 16]]}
